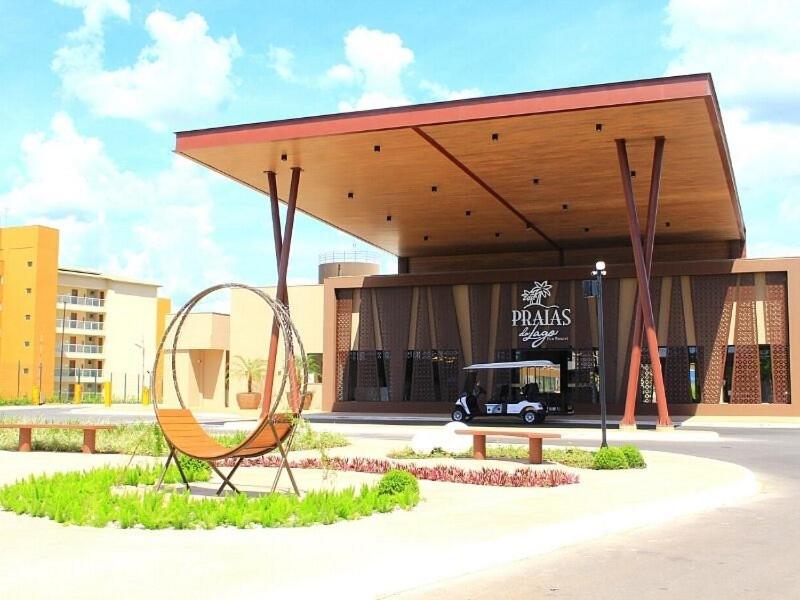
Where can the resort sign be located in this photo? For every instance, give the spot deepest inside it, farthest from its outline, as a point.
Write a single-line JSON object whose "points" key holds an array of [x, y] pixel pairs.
{"points": [[540, 322]]}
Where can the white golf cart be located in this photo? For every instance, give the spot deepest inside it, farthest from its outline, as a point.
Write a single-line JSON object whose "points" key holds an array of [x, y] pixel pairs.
{"points": [[522, 397]]}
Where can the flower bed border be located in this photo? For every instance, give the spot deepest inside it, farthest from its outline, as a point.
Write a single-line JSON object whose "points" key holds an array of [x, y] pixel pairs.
{"points": [[488, 476]]}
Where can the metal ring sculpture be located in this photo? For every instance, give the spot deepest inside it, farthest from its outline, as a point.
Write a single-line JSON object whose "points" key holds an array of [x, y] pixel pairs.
{"points": [[286, 329]]}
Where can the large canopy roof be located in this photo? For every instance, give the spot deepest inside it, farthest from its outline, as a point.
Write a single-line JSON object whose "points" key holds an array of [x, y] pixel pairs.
{"points": [[535, 170]]}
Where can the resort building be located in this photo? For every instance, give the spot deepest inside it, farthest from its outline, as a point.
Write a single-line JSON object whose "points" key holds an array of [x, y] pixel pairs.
{"points": [[497, 209], [62, 326], [212, 344]]}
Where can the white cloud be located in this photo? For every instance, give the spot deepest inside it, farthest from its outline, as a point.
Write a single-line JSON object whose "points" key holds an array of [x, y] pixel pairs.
{"points": [[377, 61], [439, 92], [751, 48], [96, 11], [153, 228], [182, 75], [752, 51], [280, 60]]}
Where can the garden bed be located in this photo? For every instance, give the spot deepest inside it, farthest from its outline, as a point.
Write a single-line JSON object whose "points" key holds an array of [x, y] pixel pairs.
{"points": [[92, 499], [611, 458], [146, 439]]}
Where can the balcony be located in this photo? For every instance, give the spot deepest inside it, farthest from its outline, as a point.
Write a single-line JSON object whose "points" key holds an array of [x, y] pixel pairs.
{"points": [[81, 302], [79, 349], [81, 374], [79, 325]]}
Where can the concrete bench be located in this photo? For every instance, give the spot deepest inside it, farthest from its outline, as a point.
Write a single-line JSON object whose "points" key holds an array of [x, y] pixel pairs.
{"points": [[25, 430], [534, 440]]}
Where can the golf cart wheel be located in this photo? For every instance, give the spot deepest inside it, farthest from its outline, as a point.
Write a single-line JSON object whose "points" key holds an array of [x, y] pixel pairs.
{"points": [[539, 419], [529, 417], [458, 415]]}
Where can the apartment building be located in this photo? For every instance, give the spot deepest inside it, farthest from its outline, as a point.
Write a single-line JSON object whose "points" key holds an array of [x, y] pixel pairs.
{"points": [[28, 280], [106, 331], [65, 326]]}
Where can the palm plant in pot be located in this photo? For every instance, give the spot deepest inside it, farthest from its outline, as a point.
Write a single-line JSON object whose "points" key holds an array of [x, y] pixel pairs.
{"points": [[314, 369], [251, 370]]}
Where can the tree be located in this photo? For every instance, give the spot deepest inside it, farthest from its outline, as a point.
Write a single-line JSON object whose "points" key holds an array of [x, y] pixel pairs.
{"points": [[249, 369]]}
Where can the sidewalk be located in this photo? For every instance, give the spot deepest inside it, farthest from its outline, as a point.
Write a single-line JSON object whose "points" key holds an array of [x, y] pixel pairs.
{"points": [[454, 528]]}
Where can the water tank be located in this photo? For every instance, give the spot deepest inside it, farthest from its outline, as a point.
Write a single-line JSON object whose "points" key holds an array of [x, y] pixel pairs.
{"points": [[350, 262]]}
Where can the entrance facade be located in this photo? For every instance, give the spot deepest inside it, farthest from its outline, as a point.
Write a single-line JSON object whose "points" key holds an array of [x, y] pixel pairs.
{"points": [[402, 342]]}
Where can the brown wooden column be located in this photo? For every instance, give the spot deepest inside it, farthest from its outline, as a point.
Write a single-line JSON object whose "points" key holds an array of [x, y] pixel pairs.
{"points": [[629, 418], [282, 246], [643, 284]]}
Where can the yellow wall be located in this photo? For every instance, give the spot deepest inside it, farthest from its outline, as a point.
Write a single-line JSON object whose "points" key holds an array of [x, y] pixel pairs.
{"points": [[251, 321], [27, 316], [163, 308]]}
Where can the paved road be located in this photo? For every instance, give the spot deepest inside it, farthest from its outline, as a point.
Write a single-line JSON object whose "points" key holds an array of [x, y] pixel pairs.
{"points": [[747, 551]]}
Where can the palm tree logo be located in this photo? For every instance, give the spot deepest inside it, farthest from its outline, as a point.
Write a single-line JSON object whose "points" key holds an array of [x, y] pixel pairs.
{"points": [[535, 295]]}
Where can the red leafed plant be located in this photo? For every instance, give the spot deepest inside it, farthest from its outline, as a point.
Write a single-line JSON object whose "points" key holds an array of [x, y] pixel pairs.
{"points": [[522, 477]]}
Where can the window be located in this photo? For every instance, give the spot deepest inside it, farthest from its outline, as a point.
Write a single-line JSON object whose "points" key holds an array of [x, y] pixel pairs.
{"points": [[727, 382], [28, 290], [30, 263], [27, 317], [694, 384], [25, 370], [27, 344]]}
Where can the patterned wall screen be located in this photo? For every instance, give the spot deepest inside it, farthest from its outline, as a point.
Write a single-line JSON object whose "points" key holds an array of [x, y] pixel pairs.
{"points": [[778, 335], [746, 365], [706, 322]]}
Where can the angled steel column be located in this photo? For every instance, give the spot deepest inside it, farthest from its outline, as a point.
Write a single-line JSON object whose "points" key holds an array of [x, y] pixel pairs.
{"points": [[629, 417], [282, 247], [643, 284]]}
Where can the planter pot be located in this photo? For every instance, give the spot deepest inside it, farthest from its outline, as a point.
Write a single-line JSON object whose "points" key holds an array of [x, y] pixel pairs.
{"points": [[248, 400]]}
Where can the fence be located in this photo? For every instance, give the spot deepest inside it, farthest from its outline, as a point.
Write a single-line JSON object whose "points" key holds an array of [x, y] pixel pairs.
{"points": [[22, 383]]}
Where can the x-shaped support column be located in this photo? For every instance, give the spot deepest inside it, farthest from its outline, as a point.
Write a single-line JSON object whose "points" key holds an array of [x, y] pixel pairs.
{"points": [[642, 258], [282, 247]]}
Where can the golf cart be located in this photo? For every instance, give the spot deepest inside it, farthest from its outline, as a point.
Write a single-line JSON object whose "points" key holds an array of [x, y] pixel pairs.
{"points": [[521, 393]]}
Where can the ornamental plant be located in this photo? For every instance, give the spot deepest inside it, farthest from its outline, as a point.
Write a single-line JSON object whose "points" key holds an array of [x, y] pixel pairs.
{"points": [[610, 458], [250, 369], [634, 457], [397, 481]]}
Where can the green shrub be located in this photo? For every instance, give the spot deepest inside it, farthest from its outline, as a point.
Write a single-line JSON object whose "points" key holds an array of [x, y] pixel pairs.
{"points": [[194, 468], [397, 482], [610, 458], [634, 457]]}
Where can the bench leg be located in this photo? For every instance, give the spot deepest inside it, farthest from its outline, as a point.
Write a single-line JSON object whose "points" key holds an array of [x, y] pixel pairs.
{"points": [[89, 436], [24, 439], [479, 447], [535, 451]]}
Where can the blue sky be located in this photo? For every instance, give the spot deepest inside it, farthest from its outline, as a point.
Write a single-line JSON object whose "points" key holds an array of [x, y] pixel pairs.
{"points": [[93, 90]]}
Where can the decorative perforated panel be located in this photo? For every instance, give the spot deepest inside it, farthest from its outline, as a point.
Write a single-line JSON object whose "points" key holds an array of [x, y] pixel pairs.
{"points": [[676, 368], [366, 359], [394, 312], [778, 336], [447, 336], [746, 366], [712, 301], [480, 301], [344, 323], [422, 383], [610, 316]]}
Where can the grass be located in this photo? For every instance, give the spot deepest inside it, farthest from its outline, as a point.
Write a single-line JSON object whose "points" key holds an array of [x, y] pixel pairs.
{"points": [[15, 402], [88, 499], [146, 439], [570, 457]]}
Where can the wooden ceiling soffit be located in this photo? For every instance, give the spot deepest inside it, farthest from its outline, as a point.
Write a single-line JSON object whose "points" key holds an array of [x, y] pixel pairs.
{"points": [[466, 170]]}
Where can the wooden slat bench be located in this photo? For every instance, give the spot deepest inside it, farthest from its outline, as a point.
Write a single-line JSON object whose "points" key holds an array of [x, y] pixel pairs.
{"points": [[534, 440], [25, 430]]}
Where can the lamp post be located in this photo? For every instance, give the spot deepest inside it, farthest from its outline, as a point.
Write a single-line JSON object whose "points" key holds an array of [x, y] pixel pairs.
{"points": [[593, 288]]}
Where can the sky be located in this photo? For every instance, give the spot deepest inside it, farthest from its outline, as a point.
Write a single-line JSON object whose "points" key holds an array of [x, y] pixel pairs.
{"points": [[94, 89]]}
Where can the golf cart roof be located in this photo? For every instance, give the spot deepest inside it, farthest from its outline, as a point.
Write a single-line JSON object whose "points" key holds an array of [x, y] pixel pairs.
{"points": [[520, 364]]}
